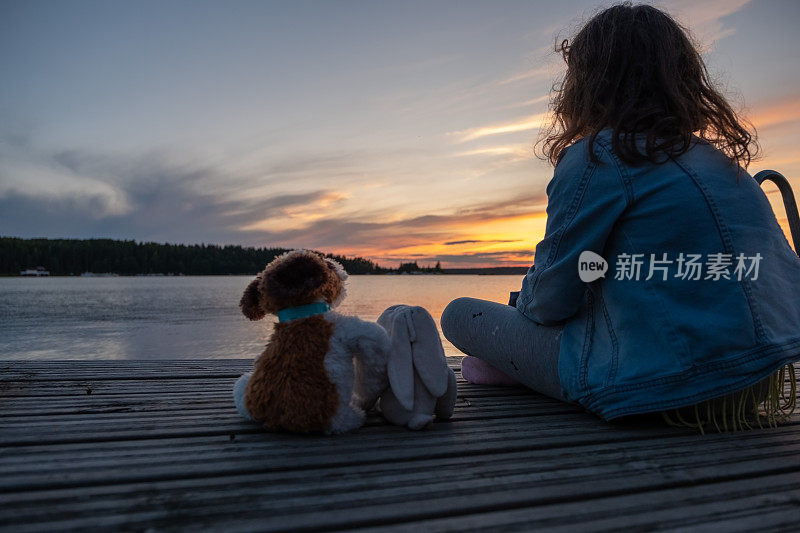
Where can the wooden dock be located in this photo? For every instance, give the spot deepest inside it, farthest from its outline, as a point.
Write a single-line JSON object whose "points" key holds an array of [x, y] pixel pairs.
{"points": [[158, 445]]}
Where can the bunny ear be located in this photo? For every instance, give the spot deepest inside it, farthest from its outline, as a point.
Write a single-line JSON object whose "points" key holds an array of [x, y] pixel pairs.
{"points": [[400, 367], [249, 303], [430, 362]]}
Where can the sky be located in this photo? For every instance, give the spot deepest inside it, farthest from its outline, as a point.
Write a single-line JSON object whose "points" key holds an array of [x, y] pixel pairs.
{"points": [[397, 131]]}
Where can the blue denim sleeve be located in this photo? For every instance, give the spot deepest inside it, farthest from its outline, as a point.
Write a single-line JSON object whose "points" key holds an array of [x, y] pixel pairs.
{"points": [[584, 199]]}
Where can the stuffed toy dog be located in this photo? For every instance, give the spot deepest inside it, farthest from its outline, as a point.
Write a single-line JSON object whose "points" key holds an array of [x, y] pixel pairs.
{"points": [[320, 369], [421, 383]]}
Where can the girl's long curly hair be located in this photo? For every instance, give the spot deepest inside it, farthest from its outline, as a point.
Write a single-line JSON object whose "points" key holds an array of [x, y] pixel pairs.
{"points": [[636, 70]]}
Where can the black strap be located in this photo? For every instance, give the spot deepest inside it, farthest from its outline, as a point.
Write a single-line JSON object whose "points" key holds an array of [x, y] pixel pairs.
{"points": [[789, 202]]}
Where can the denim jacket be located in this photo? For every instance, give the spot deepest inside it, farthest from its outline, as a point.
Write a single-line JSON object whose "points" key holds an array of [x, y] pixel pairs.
{"points": [[689, 333]]}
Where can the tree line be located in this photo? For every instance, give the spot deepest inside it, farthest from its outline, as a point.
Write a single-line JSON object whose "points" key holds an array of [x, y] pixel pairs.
{"points": [[128, 257], [414, 268]]}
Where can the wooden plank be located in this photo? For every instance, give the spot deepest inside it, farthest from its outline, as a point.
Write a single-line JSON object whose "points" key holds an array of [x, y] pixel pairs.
{"points": [[449, 498], [83, 403], [136, 382], [28, 407], [15, 432], [31, 406], [320, 505], [54, 391], [490, 429], [209, 461], [154, 450], [698, 508], [195, 407], [90, 387], [20, 370], [120, 369], [371, 441], [456, 438], [87, 427]]}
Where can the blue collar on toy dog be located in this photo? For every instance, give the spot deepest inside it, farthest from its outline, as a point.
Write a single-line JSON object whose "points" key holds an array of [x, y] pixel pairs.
{"points": [[303, 311]]}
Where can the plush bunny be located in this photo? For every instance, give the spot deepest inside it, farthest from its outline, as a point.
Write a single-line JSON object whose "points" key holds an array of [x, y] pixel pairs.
{"points": [[421, 383], [320, 369]]}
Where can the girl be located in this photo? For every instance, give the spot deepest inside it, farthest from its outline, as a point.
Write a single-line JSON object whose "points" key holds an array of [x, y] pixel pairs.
{"points": [[700, 306]]}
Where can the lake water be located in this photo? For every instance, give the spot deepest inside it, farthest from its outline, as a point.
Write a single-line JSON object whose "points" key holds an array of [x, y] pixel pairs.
{"points": [[192, 317]]}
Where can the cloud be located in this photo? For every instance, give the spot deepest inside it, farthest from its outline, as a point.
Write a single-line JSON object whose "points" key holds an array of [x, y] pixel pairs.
{"points": [[170, 201], [273, 196], [543, 72], [777, 112], [23, 215], [516, 152], [525, 124], [705, 18], [533, 101], [485, 257], [354, 234], [476, 241], [465, 260], [175, 216], [165, 201]]}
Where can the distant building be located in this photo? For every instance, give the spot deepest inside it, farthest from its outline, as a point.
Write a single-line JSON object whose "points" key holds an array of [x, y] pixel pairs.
{"points": [[38, 271]]}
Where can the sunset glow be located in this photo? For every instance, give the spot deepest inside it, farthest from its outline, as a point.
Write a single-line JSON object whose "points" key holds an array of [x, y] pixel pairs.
{"points": [[397, 132]]}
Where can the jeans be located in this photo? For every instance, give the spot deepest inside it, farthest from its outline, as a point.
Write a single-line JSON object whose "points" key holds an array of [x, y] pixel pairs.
{"points": [[501, 336]]}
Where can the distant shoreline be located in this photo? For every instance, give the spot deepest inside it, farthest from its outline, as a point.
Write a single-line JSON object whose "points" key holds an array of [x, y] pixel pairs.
{"points": [[489, 271], [112, 257]]}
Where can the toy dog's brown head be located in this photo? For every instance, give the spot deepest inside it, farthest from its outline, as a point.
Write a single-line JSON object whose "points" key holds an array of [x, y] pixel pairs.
{"points": [[299, 277]]}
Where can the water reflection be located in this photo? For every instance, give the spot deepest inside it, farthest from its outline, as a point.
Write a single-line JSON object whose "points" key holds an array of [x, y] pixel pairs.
{"points": [[186, 317]]}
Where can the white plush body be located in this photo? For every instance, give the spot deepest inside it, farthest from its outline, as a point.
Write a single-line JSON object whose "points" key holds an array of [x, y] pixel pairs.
{"points": [[422, 386], [356, 362]]}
